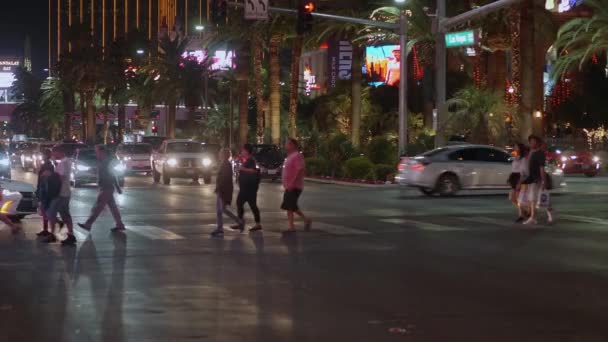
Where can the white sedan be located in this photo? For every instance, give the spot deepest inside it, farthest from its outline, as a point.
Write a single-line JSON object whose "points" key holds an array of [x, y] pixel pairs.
{"points": [[449, 169]]}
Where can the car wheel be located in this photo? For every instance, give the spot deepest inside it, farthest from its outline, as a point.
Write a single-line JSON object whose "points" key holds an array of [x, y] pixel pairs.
{"points": [[448, 185], [156, 176], [16, 218], [591, 174], [166, 178], [207, 179], [427, 191]]}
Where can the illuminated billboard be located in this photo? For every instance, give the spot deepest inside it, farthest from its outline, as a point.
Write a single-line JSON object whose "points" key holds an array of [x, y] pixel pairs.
{"points": [[382, 64], [222, 60], [7, 70]]}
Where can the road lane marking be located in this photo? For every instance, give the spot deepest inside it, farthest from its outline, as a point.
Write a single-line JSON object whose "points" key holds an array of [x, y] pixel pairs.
{"points": [[584, 219], [487, 220], [154, 233], [426, 226], [337, 230]]}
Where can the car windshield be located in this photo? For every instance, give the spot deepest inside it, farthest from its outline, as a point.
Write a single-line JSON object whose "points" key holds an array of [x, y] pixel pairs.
{"points": [[136, 149], [70, 149], [185, 147], [433, 152], [87, 155], [155, 142], [267, 152]]}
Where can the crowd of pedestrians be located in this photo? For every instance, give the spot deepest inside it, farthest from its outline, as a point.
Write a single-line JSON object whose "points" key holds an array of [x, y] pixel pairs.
{"points": [[54, 192]]}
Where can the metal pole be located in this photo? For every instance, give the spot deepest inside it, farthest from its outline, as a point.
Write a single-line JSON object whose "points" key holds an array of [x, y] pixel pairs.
{"points": [[403, 85], [231, 119], [440, 75]]}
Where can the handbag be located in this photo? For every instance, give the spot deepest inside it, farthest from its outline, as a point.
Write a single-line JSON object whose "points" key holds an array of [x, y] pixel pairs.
{"points": [[544, 199]]}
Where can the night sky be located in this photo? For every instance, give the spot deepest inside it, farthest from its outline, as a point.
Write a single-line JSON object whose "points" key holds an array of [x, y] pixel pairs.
{"points": [[19, 18]]}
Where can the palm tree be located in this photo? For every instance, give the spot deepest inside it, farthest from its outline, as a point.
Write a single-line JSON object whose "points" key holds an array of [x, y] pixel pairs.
{"points": [[351, 32], [165, 74], [275, 87], [477, 113], [52, 106], [26, 89], [581, 38], [193, 74]]}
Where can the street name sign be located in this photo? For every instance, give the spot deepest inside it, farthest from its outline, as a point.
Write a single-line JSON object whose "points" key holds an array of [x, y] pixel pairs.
{"points": [[458, 39]]}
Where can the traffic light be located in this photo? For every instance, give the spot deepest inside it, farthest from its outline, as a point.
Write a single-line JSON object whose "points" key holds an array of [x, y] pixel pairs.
{"points": [[220, 12], [305, 18]]}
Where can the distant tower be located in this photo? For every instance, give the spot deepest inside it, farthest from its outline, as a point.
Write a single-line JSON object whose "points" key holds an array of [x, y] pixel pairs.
{"points": [[27, 54]]}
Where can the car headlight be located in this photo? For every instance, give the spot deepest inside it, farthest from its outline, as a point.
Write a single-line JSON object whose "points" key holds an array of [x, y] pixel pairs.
{"points": [[172, 162], [207, 162], [5, 162], [564, 159], [558, 151], [81, 167], [120, 167], [125, 158], [596, 159], [573, 157]]}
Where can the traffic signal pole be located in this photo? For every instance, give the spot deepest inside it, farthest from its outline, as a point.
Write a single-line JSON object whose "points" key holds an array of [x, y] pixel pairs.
{"points": [[443, 24]]}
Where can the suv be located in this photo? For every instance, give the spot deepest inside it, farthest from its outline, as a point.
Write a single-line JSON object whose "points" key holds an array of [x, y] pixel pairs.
{"points": [[135, 157], [180, 158]]}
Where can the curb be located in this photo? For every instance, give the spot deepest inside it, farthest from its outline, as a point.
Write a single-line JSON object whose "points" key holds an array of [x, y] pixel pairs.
{"points": [[359, 185]]}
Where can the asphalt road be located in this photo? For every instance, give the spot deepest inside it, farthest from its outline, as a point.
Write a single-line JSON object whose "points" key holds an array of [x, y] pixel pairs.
{"points": [[380, 265]]}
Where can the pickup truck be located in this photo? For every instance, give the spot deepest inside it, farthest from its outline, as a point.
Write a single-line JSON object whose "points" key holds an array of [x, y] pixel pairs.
{"points": [[181, 158]]}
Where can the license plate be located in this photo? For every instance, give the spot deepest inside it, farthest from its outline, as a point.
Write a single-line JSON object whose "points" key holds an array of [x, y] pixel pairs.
{"points": [[189, 172], [272, 172]]}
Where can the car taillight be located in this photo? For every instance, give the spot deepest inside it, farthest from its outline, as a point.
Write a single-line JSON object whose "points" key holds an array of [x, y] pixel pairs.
{"points": [[418, 167], [401, 166]]}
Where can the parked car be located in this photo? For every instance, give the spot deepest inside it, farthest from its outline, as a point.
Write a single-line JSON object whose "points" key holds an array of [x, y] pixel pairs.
{"points": [[154, 141], [180, 158], [573, 161], [21, 206], [5, 163], [135, 157], [449, 169], [85, 165]]}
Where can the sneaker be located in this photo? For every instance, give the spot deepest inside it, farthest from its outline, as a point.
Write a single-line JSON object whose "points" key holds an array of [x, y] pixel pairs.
{"points": [[69, 241], [217, 233], [256, 228], [84, 226], [61, 224], [520, 219], [51, 238], [550, 219], [530, 221], [239, 227], [118, 229], [43, 233]]}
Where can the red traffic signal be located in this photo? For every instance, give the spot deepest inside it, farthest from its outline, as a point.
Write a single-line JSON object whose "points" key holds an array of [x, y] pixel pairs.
{"points": [[309, 7]]}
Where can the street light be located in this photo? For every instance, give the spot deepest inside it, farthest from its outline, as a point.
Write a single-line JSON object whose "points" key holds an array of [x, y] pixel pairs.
{"points": [[538, 114], [199, 28], [140, 51]]}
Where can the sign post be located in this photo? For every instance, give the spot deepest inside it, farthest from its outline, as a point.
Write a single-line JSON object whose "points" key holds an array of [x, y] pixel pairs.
{"points": [[256, 9]]}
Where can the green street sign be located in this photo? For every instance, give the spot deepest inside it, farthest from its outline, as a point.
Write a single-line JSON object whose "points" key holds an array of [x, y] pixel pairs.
{"points": [[457, 39]]}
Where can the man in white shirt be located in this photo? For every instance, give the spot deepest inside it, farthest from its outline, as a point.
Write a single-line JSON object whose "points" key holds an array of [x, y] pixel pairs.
{"points": [[61, 204]]}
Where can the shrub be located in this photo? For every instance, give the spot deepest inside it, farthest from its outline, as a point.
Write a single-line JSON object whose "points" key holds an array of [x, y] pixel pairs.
{"points": [[316, 167], [380, 150], [359, 168], [336, 150], [384, 171]]}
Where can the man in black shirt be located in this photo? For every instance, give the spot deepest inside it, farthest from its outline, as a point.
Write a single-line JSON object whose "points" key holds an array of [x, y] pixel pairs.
{"points": [[536, 181], [249, 181]]}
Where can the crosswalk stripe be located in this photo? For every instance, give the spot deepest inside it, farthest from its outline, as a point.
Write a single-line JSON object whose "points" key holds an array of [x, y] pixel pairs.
{"points": [[426, 226], [488, 220], [585, 219], [337, 230], [154, 233]]}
